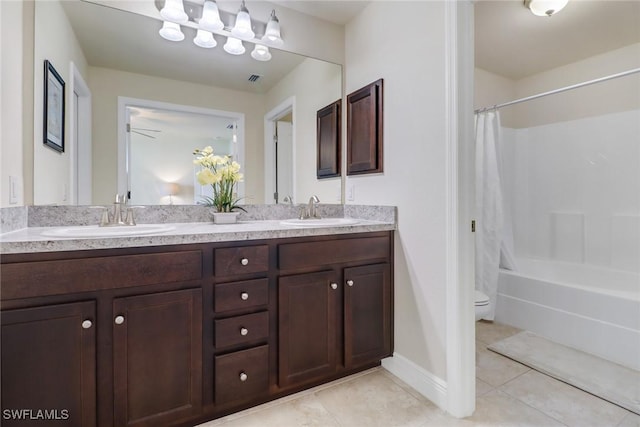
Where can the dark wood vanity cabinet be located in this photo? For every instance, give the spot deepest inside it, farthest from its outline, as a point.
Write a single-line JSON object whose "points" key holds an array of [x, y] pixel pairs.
{"points": [[157, 357], [188, 333], [49, 362], [338, 318]]}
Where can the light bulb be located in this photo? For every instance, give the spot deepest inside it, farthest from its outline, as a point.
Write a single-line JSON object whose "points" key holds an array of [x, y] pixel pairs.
{"points": [[210, 20], [242, 28], [204, 39], [261, 53], [171, 31], [173, 11], [234, 46]]}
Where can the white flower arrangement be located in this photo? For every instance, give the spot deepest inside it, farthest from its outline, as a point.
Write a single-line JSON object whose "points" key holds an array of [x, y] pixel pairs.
{"points": [[222, 174]]}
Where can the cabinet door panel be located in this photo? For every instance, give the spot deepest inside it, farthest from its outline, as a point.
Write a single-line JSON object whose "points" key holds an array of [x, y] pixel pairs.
{"points": [[157, 357], [307, 327], [367, 309], [49, 363]]}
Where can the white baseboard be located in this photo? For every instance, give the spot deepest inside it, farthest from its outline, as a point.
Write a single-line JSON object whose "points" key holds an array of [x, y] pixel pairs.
{"points": [[423, 381]]}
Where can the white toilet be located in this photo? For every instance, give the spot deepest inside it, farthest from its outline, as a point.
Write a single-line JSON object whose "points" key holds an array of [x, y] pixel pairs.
{"points": [[481, 304]]}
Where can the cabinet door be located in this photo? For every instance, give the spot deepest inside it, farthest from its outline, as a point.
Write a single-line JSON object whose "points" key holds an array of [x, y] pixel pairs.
{"points": [[367, 311], [307, 326], [49, 364], [157, 357]]}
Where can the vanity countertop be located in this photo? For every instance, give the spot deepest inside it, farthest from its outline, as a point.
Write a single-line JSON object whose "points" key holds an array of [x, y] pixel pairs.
{"points": [[32, 240]]}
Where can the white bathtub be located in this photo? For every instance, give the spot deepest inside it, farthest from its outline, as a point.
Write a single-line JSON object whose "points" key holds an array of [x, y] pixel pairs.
{"points": [[590, 308]]}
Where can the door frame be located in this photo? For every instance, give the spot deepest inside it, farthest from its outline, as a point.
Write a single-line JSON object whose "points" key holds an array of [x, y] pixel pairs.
{"points": [[270, 119], [80, 159]]}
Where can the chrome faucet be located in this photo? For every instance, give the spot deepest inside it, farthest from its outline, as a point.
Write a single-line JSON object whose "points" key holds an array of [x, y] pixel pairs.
{"points": [[311, 212], [110, 219]]}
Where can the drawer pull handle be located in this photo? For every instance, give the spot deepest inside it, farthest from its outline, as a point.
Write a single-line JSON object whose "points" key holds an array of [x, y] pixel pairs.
{"points": [[244, 331], [244, 261], [87, 324], [119, 320], [334, 286], [243, 376], [350, 282], [244, 296]]}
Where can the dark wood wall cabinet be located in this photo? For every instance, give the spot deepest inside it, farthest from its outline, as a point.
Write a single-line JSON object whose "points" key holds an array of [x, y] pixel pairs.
{"points": [[189, 333], [329, 140], [364, 130]]}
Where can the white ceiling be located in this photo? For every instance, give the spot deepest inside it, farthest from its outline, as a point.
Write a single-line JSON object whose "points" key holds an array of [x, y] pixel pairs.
{"points": [[337, 11], [512, 42]]}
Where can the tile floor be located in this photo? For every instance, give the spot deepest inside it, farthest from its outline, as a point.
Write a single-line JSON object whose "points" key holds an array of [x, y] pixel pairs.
{"points": [[508, 394]]}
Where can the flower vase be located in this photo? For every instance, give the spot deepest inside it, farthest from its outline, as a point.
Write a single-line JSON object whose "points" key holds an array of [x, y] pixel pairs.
{"points": [[225, 217]]}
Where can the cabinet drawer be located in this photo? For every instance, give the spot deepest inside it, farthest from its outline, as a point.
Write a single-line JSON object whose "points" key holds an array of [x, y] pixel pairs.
{"points": [[241, 329], [44, 278], [241, 375], [311, 254], [241, 260], [241, 295]]}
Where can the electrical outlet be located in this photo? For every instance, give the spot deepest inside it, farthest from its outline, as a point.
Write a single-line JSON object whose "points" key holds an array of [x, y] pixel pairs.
{"points": [[14, 188], [351, 192]]}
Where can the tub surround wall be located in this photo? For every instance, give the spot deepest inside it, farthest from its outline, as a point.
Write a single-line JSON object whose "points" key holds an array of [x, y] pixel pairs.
{"points": [[574, 190]]}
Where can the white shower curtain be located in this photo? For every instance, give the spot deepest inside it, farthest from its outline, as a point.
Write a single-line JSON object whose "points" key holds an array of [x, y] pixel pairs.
{"points": [[494, 240]]}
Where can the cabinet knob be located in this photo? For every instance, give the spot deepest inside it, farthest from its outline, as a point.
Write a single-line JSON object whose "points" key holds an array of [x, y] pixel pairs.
{"points": [[244, 331], [244, 261], [119, 320], [243, 376], [87, 324], [244, 296], [350, 282], [334, 286]]}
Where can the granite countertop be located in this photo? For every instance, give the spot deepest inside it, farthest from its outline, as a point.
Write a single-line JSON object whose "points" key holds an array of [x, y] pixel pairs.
{"points": [[31, 239]]}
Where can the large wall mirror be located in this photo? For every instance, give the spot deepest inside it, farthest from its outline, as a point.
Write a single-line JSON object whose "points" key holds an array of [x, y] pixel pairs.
{"points": [[138, 105]]}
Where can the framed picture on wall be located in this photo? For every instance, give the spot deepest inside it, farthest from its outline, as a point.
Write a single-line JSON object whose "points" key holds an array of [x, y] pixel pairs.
{"points": [[53, 132]]}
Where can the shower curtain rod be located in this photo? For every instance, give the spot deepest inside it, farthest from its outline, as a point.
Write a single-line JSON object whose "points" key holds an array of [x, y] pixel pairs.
{"points": [[551, 92]]}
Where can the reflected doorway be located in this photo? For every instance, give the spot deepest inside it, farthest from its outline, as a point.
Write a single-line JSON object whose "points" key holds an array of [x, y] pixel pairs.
{"points": [[156, 144], [280, 166]]}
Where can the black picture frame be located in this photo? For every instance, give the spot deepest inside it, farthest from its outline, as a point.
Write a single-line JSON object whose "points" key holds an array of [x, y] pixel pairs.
{"points": [[53, 108]]}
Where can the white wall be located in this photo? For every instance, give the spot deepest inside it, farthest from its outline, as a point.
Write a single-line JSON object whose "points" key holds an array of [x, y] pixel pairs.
{"points": [[411, 60], [326, 88], [56, 42], [491, 89], [106, 85]]}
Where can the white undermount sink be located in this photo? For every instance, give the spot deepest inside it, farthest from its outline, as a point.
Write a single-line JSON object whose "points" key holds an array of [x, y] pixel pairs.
{"points": [[115, 231], [322, 222]]}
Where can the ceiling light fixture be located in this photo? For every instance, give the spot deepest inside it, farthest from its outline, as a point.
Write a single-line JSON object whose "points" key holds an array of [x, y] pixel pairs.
{"points": [[207, 19], [545, 7]]}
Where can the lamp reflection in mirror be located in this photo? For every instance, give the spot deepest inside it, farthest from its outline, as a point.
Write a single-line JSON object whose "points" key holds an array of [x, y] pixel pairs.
{"points": [[261, 53], [171, 31], [234, 46], [272, 34], [242, 28], [173, 11], [545, 7], [210, 20], [205, 39]]}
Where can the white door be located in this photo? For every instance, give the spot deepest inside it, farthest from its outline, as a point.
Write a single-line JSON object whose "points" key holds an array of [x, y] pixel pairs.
{"points": [[284, 160]]}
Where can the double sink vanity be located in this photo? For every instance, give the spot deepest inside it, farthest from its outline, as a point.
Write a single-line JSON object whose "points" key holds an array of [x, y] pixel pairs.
{"points": [[176, 323]]}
